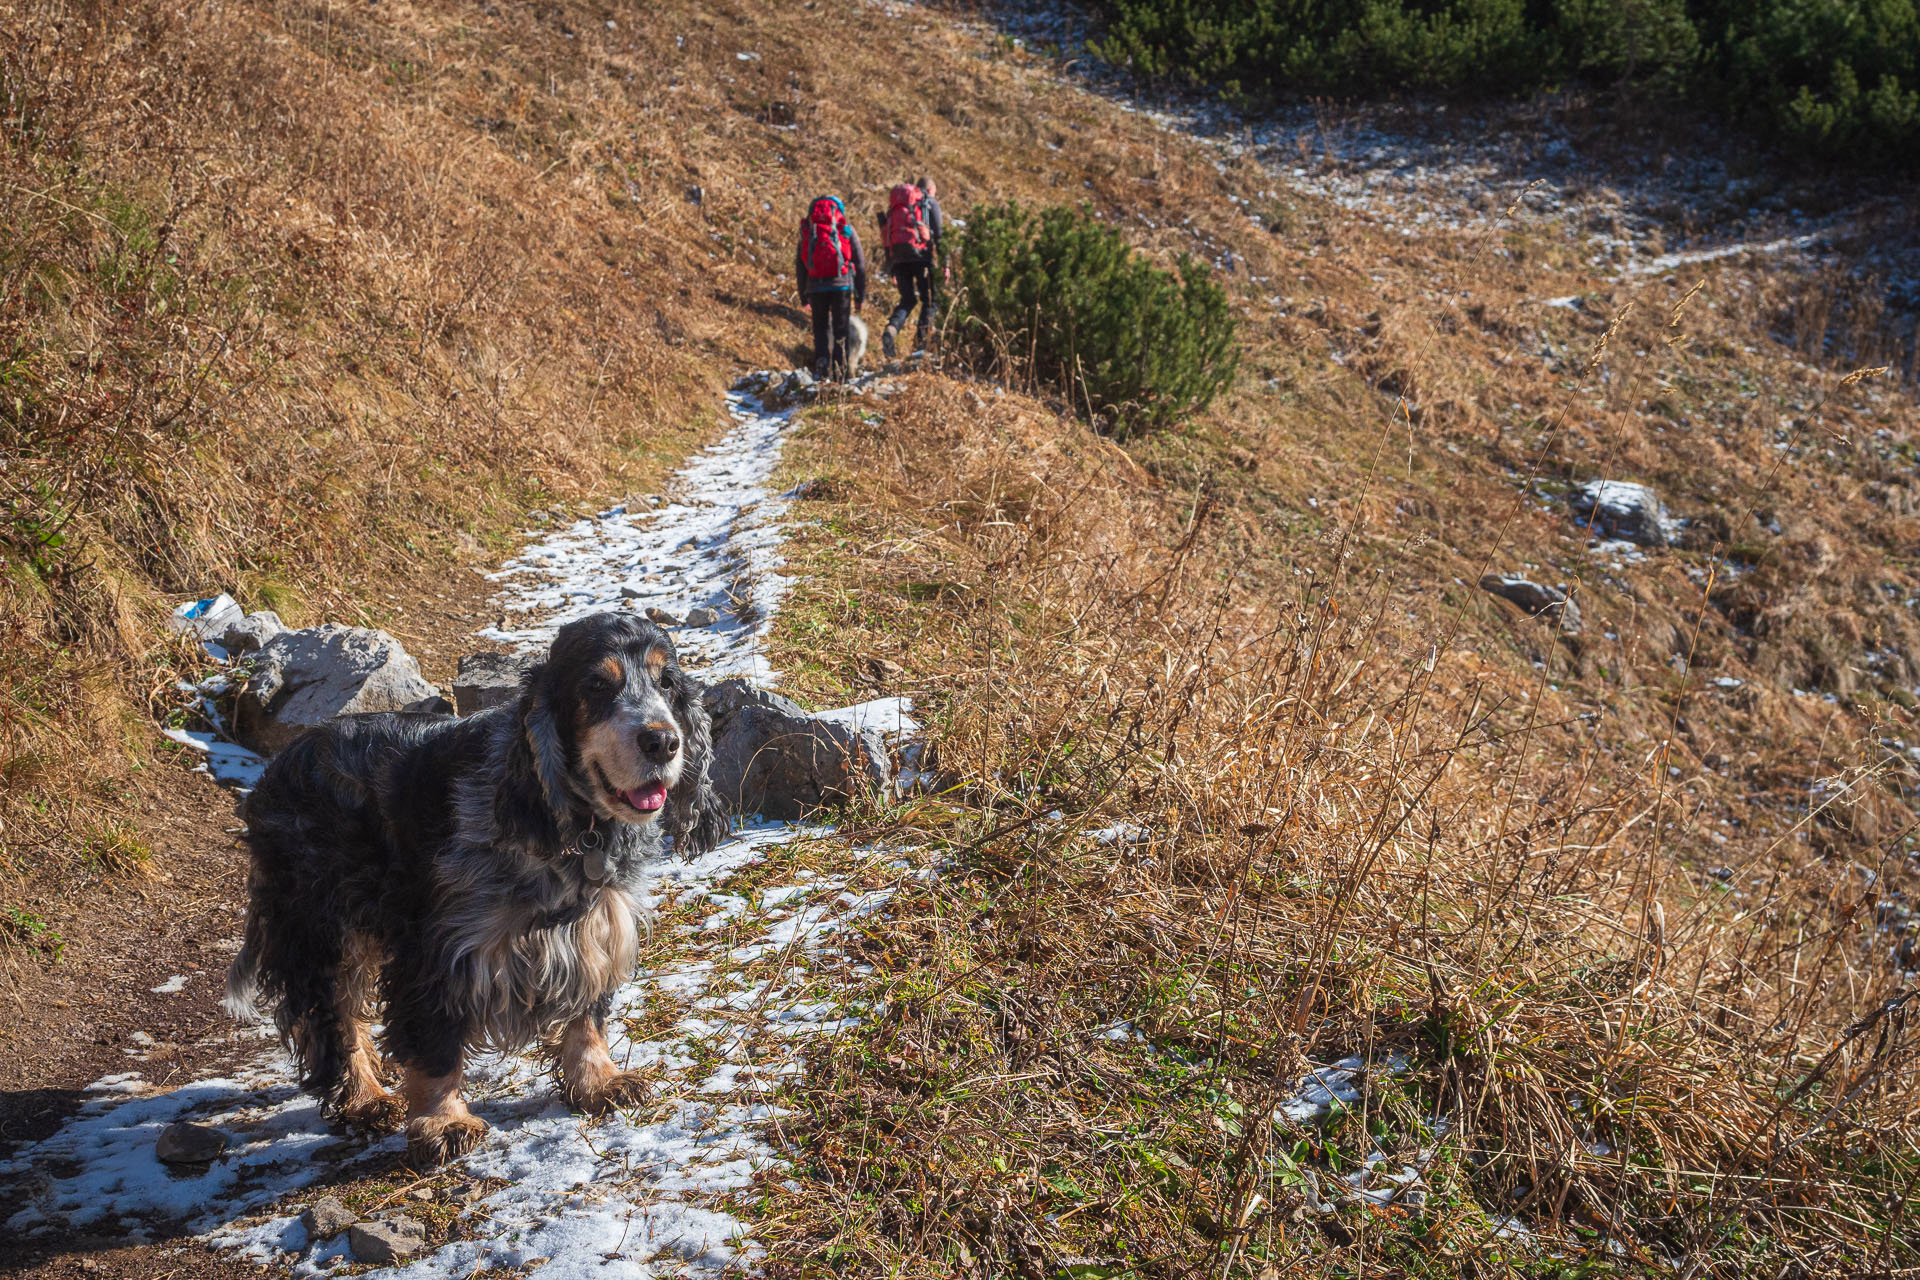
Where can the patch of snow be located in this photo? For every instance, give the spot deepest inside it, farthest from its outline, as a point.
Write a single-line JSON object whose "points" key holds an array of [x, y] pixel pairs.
{"points": [[885, 715], [172, 986], [715, 544], [638, 1194], [1339, 1086], [226, 762]]}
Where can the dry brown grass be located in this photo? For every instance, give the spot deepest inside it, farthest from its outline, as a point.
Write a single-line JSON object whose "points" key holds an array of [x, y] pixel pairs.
{"points": [[1361, 837], [322, 304]]}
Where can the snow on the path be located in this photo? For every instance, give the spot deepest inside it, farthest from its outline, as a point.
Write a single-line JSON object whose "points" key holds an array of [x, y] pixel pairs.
{"points": [[712, 544], [718, 1022], [226, 762]]}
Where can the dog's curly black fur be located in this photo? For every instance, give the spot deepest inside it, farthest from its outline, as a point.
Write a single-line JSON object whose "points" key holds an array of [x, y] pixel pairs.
{"points": [[478, 878]]}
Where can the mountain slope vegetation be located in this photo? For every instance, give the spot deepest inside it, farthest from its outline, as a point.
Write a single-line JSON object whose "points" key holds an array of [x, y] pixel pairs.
{"points": [[1241, 771]]}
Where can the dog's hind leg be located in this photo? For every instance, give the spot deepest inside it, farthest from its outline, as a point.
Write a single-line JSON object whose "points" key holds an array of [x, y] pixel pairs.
{"points": [[364, 1101], [588, 1077], [303, 963], [428, 1037], [439, 1126]]}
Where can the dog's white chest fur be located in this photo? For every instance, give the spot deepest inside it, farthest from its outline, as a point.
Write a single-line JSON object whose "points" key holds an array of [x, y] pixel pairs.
{"points": [[520, 980]]}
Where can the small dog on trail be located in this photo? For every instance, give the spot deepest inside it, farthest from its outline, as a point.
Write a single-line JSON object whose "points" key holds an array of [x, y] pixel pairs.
{"points": [[473, 882], [856, 345]]}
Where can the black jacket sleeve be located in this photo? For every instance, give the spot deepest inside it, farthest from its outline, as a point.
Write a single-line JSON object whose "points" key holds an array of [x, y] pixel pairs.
{"points": [[936, 224], [859, 267], [800, 261]]}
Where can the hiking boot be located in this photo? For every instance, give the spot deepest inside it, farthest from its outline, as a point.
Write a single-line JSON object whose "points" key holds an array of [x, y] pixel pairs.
{"points": [[886, 342]]}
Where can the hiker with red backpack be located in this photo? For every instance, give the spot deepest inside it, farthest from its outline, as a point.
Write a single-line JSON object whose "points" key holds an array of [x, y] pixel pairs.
{"points": [[910, 228], [832, 271]]}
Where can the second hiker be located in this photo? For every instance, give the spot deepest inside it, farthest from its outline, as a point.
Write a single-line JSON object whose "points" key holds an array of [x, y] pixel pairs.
{"points": [[910, 228], [832, 271]]}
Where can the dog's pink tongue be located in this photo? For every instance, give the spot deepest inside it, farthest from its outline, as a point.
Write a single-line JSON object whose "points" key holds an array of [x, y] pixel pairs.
{"points": [[649, 797]]}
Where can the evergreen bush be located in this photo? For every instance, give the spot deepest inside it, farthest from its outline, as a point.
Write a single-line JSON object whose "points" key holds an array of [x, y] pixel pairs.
{"points": [[1834, 78], [1060, 297]]}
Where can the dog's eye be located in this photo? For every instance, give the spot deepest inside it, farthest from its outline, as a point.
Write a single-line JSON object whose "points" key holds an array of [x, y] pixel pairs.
{"points": [[666, 680]]}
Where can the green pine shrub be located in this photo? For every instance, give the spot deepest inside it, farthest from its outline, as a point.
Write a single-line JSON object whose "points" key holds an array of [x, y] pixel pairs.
{"points": [[1060, 297], [1834, 78]]}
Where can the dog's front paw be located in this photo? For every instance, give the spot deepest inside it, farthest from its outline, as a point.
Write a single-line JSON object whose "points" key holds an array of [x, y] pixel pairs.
{"points": [[375, 1113], [618, 1089], [433, 1140]]}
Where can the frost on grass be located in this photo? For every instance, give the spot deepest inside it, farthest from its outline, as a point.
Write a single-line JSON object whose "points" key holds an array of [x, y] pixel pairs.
{"points": [[728, 1003]]}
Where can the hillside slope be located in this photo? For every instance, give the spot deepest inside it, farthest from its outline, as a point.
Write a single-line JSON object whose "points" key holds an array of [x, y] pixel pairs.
{"points": [[311, 303]]}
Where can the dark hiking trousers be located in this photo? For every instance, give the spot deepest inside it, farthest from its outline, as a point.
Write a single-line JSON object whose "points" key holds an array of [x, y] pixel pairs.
{"points": [[832, 310], [918, 284]]}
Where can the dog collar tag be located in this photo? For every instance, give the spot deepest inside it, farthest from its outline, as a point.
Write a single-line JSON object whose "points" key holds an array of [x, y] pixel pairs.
{"points": [[594, 863]]}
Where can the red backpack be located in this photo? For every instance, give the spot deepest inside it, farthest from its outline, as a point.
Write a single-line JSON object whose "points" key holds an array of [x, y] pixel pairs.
{"points": [[829, 247], [907, 219]]}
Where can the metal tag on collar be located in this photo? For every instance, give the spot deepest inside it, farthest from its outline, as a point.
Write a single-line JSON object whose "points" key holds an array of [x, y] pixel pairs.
{"points": [[593, 854]]}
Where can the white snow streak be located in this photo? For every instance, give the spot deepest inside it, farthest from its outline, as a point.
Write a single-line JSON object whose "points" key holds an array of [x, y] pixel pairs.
{"points": [[714, 544], [635, 1195]]}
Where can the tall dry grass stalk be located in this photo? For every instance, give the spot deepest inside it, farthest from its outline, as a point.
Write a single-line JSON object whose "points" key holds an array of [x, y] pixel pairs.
{"points": [[1328, 828]]}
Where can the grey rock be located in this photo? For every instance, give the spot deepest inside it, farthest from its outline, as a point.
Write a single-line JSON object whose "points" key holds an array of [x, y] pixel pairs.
{"points": [[631, 593], [386, 1242], [326, 1218], [305, 678], [770, 757], [702, 617], [183, 1142], [252, 631], [661, 616], [1537, 600], [489, 680], [1620, 509]]}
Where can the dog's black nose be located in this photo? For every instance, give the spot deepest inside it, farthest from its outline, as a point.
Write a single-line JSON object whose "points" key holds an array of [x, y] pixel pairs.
{"points": [[659, 743]]}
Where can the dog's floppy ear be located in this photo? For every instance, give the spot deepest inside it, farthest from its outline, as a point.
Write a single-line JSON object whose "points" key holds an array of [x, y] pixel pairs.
{"points": [[696, 817], [532, 805]]}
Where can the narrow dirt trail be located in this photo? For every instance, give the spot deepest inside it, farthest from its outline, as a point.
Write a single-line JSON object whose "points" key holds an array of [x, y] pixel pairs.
{"points": [[731, 986]]}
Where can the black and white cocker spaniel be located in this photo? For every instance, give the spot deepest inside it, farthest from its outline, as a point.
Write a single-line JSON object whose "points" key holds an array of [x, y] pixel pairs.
{"points": [[472, 883]]}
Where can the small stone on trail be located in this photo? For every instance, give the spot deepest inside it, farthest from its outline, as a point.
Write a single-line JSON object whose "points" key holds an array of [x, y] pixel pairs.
{"points": [[770, 757], [185, 1143], [1621, 509], [631, 593], [1537, 600], [252, 631], [305, 678], [384, 1243], [701, 617], [661, 616], [142, 1040], [326, 1218], [422, 1193]]}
